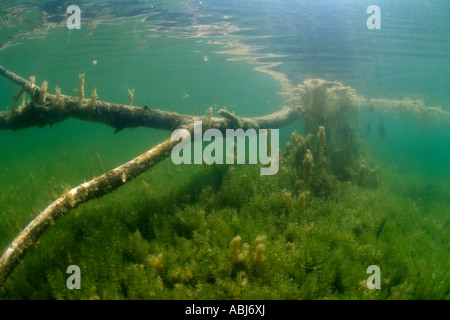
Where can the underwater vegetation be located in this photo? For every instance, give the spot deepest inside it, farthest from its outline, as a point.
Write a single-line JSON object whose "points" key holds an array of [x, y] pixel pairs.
{"points": [[230, 233], [330, 143]]}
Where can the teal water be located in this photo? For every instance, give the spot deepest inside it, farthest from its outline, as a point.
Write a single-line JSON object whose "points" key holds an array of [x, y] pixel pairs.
{"points": [[187, 56]]}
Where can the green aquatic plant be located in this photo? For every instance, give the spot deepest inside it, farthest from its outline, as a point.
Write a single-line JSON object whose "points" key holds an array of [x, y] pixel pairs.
{"points": [[270, 247], [368, 177], [43, 92], [308, 157], [81, 89], [330, 110], [130, 97], [58, 101], [322, 139], [28, 86], [91, 103], [308, 164], [93, 99]]}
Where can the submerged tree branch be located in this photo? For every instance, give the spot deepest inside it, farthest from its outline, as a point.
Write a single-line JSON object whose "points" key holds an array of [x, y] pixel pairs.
{"points": [[48, 109], [57, 108], [95, 188]]}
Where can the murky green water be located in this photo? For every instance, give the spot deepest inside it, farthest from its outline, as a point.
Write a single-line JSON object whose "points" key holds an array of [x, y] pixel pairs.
{"points": [[187, 56]]}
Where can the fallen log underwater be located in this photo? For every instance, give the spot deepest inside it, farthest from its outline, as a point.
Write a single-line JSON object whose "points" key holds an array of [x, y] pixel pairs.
{"points": [[47, 109]]}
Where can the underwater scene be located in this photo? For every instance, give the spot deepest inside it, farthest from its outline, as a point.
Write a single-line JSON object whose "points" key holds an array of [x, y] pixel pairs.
{"points": [[225, 149]]}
